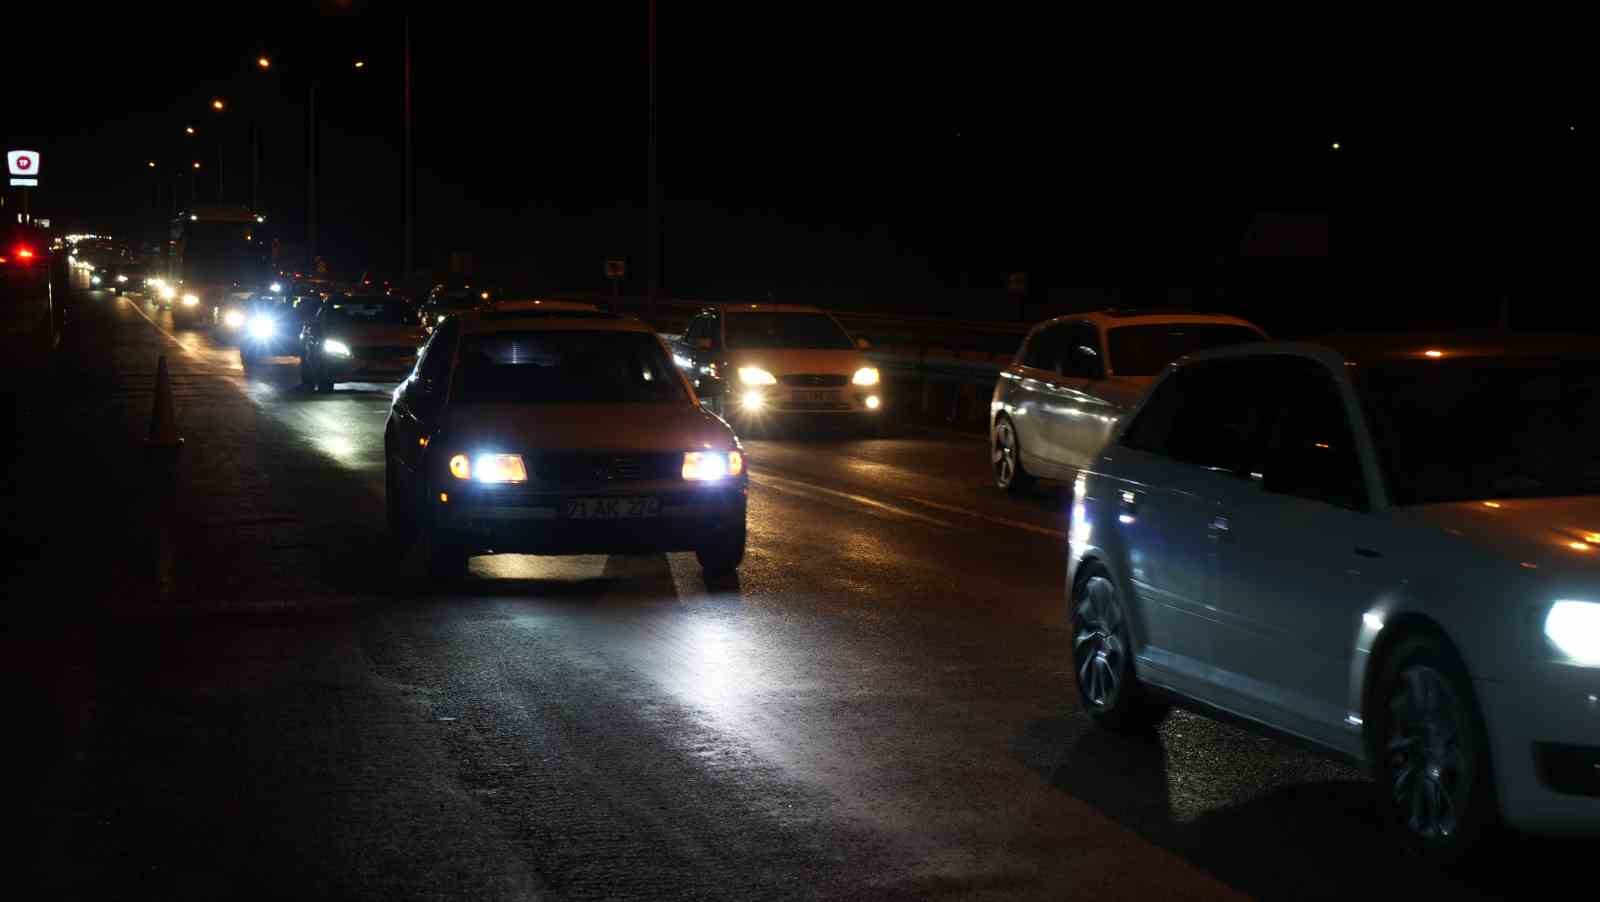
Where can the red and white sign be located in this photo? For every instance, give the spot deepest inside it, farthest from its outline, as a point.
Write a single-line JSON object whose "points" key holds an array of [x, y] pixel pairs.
{"points": [[23, 162]]}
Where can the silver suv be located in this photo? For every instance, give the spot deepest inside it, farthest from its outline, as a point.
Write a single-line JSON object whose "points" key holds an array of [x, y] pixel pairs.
{"points": [[1076, 376]]}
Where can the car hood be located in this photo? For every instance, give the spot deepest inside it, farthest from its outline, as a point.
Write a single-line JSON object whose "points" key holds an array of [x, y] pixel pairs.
{"points": [[1550, 534], [589, 427], [378, 336], [786, 361]]}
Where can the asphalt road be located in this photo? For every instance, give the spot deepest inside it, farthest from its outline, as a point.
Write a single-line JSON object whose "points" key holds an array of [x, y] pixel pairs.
{"points": [[235, 688]]}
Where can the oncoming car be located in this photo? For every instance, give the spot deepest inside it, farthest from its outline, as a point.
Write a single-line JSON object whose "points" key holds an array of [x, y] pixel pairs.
{"points": [[554, 435], [1076, 376], [1386, 546]]}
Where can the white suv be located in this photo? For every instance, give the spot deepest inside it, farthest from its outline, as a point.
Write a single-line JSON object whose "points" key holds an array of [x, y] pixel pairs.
{"points": [[1076, 376], [1391, 550]]}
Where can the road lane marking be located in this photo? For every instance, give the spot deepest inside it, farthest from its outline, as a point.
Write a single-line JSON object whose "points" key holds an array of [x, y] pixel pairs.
{"points": [[1014, 524], [157, 326], [803, 488]]}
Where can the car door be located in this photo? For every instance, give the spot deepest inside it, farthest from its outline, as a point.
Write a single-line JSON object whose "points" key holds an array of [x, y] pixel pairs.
{"points": [[1084, 420], [1175, 462], [1034, 399], [1297, 560], [419, 402]]}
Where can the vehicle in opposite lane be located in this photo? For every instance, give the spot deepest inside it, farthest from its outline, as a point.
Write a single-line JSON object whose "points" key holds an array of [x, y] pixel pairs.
{"points": [[1387, 547], [575, 434], [1076, 376]]}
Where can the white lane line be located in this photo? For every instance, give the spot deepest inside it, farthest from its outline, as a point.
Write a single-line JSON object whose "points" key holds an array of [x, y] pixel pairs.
{"points": [[805, 488], [1014, 524], [157, 326]]}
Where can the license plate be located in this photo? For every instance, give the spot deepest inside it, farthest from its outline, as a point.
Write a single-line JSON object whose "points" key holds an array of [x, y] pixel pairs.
{"points": [[610, 508], [816, 396]]}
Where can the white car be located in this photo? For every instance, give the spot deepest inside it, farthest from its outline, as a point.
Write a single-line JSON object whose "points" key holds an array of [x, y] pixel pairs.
{"points": [[1390, 549], [1076, 376], [774, 360]]}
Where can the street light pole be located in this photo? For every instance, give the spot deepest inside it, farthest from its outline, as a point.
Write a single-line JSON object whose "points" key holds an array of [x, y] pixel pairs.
{"points": [[311, 176], [653, 240], [409, 202]]}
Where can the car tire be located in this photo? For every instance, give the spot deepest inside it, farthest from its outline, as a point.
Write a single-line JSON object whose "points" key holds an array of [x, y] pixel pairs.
{"points": [[1429, 751], [1102, 658], [723, 557], [1005, 456]]}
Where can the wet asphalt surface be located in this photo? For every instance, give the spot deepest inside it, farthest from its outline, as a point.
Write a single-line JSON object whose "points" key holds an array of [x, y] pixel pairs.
{"points": [[234, 687]]}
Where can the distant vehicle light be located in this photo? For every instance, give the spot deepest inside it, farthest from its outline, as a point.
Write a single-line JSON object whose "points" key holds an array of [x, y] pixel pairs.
{"points": [[1431, 352], [193, 217], [438, 319], [873, 402], [333, 347], [233, 319], [191, 300], [275, 288], [753, 400], [710, 466], [755, 375], [23, 252], [867, 375], [460, 467], [94, 280], [484, 295], [498, 468], [122, 280], [263, 327], [168, 292]]}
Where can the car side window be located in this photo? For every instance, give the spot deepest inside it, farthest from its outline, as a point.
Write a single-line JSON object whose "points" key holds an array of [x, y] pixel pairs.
{"points": [[433, 370], [1044, 349], [1207, 414], [1080, 357], [1309, 448], [699, 328]]}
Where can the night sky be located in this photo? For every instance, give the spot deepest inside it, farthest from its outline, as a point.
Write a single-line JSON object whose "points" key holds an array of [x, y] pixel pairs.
{"points": [[903, 157]]}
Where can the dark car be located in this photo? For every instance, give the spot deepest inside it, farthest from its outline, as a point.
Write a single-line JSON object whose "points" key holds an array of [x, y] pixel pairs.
{"points": [[125, 278], [30, 316], [525, 433], [270, 327], [453, 297], [358, 338]]}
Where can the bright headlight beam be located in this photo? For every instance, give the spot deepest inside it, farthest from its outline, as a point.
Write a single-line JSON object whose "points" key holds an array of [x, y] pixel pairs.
{"points": [[233, 319], [1574, 628], [191, 300], [333, 347], [263, 327], [275, 288], [499, 468], [867, 375], [707, 466], [755, 375]]}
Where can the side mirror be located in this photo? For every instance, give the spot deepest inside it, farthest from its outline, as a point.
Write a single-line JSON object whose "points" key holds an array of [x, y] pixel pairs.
{"points": [[863, 345], [702, 344]]}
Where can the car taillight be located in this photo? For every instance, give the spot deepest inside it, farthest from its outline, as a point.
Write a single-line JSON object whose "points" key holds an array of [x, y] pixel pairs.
{"points": [[22, 253]]}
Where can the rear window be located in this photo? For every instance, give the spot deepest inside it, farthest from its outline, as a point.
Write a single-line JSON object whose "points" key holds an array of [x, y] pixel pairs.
{"points": [[374, 311], [1144, 350], [564, 367]]}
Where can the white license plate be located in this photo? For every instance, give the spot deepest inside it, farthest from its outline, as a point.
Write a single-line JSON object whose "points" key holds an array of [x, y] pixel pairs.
{"points": [[610, 508], [816, 396]]}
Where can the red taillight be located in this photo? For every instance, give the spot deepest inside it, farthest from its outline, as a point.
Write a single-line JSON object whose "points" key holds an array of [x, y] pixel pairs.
{"points": [[23, 252]]}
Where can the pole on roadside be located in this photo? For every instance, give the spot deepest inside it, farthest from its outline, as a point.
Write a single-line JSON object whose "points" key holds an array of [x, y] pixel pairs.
{"points": [[409, 202], [653, 240], [311, 175]]}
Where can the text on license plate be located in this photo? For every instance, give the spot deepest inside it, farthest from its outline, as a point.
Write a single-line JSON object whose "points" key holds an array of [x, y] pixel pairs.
{"points": [[610, 508], [816, 396]]}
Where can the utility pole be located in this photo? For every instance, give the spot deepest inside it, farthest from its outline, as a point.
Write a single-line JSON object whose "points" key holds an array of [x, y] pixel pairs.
{"points": [[311, 176], [653, 240], [409, 213]]}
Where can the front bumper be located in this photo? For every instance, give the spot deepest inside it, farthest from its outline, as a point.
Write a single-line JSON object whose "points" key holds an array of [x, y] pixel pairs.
{"points": [[782, 400], [1543, 729], [503, 519], [359, 369]]}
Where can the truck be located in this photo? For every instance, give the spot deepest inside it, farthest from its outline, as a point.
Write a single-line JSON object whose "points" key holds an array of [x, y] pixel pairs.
{"points": [[218, 256]]}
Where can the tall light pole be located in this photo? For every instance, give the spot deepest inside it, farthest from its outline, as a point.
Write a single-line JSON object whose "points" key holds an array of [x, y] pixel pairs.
{"points": [[653, 239], [409, 212]]}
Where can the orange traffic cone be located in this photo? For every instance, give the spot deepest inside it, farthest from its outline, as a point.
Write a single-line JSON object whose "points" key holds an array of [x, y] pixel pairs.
{"points": [[163, 421]]}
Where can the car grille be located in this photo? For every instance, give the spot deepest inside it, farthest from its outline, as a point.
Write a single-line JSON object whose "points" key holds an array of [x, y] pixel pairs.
{"points": [[817, 380], [382, 353], [571, 469], [812, 405]]}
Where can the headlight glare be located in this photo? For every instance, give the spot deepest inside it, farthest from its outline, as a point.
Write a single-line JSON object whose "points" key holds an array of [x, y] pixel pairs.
{"points": [[755, 375], [333, 347], [191, 300], [122, 280], [275, 288], [497, 468], [461, 467], [168, 292], [1573, 627], [867, 375], [262, 327], [710, 466], [233, 319]]}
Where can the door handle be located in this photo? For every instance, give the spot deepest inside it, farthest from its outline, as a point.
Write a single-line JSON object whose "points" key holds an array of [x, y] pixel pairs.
{"points": [[1368, 552], [1218, 528]]}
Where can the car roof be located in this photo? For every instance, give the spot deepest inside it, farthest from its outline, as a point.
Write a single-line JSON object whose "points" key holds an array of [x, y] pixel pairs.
{"points": [[540, 304], [479, 322], [1114, 317], [764, 308], [1372, 348]]}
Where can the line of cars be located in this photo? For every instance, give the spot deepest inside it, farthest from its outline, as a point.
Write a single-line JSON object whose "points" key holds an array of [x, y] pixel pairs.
{"points": [[1385, 546]]}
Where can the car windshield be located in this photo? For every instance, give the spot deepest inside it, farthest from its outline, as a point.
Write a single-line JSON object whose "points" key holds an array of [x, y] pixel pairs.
{"points": [[785, 330], [562, 366], [1144, 350], [369, 311], [1466, 430]]}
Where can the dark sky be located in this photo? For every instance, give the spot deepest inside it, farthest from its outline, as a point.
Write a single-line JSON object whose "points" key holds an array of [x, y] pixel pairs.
{"points": [[860, 153]]}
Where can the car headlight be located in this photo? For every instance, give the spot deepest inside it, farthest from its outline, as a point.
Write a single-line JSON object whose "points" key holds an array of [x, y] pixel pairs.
{"points": [[333, 347], [755, 375], [1574, 628], [122, 280], [94, 280], [191, 300], [168, 292], [438, 319], [262, 327], [710, 466], [497, 468], [867, 375], [233, 319], [275, 288]]}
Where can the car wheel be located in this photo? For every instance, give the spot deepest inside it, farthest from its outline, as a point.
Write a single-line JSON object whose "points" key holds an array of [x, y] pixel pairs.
{"points": [[1007, 458], [1102, 658], [1429, 751], [402, 525], [724, 556]]}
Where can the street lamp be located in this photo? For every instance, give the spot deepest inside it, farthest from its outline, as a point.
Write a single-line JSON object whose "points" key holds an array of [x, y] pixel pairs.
{"points": [[263, 62], [150, 164], [195, 164], [361, 64], [188, 130], [217, 104]]}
